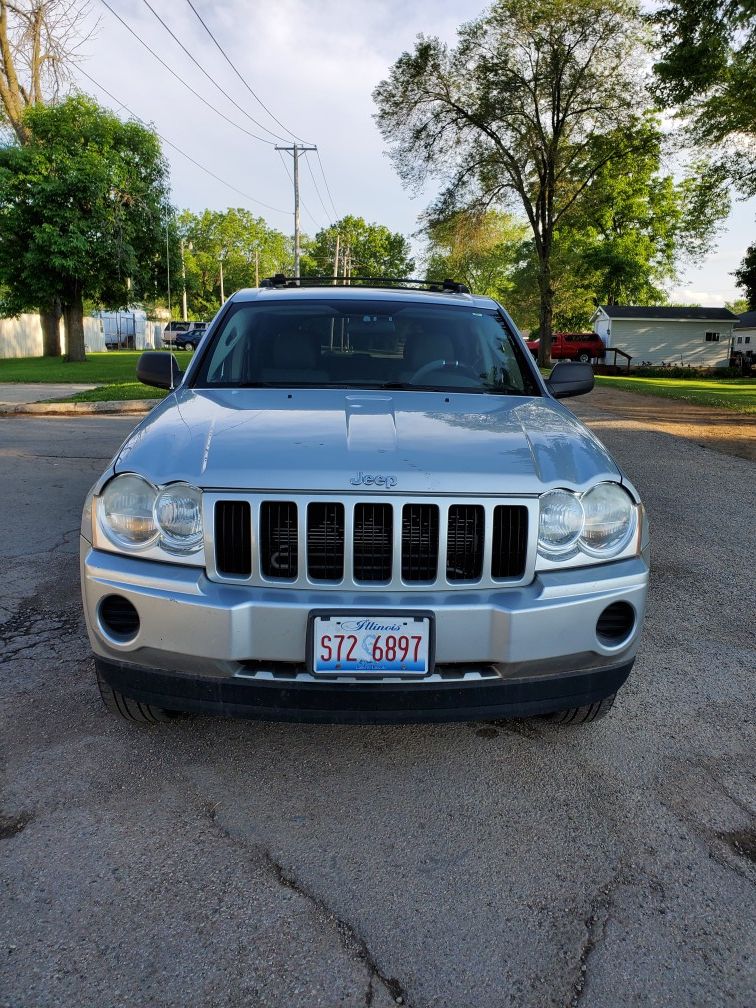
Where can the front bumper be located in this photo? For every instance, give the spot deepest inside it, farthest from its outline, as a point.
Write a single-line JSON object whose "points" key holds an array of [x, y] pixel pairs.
{"points": [[242, 650]]}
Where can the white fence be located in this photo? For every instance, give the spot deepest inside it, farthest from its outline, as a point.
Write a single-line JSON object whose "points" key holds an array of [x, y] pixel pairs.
{"points": [[22, 336]]}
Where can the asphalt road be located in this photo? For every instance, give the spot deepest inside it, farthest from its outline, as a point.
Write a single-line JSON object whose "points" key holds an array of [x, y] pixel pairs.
{"points": [[216, 863]]}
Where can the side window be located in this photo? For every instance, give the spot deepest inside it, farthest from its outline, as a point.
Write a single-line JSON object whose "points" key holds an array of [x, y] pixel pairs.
{"points": [[712, 337], [740, 339], [748, 339]]}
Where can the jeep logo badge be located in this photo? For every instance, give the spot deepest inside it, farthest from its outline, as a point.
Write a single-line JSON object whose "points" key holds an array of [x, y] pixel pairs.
{"points": [[373, 479]]}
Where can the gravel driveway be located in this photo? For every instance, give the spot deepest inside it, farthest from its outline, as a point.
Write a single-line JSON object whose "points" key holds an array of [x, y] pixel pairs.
{"points": [[216, 863]]}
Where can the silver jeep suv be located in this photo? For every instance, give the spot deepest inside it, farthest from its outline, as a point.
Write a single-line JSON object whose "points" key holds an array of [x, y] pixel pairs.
{"points": [[363, 504]]}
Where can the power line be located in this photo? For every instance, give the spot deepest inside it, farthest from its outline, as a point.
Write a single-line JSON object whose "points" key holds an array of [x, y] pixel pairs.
{"points": [[182, 81], [312, 176], [291, 179], [170, 143], [328, 190], [242, 79], [211, 79]]}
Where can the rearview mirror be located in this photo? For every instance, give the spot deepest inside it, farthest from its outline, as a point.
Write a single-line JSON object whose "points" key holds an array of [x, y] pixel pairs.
{"points": [[568, 379], [159, 369]]}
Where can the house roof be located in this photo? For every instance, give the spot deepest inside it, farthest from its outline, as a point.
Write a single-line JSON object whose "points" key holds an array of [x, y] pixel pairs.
{"points": [[746, 321], [666, 312]]}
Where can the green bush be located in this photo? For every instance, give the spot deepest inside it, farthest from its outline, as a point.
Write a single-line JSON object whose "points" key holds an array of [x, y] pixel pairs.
{"points": [[680, 371]]}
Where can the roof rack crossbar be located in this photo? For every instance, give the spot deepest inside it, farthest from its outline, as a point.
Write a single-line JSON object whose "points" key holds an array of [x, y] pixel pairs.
{"points": [[434, 286]]}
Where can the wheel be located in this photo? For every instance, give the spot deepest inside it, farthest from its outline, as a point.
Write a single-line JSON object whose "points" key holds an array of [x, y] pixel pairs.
{"points": [[131, 710], [582, 715], [583, 358], [188, 346]]}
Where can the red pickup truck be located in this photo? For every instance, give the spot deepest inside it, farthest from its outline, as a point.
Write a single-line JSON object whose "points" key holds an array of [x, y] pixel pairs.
{"points": [[575, 346]]}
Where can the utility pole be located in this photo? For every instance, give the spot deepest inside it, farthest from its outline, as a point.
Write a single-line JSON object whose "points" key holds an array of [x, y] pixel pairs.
{"points": [[297, 150], [336, 259], [183, 281], [222, 257], [257, 267]]}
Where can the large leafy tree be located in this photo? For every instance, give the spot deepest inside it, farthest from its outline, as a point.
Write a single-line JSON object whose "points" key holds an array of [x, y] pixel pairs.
{"points": [[509, 115], [82, 206], [481, 249], [363, 250], [745, 276], [707, 71], [247, 247], [38, 41]]}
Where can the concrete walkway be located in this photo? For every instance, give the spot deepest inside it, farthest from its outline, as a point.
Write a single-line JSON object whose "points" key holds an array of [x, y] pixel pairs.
{"points": [[21, 392]]}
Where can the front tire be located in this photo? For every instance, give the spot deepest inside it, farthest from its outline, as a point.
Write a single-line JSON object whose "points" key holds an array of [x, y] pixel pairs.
{"points": [[133, 711], [583, 358], [188, 346], [582, 715]]}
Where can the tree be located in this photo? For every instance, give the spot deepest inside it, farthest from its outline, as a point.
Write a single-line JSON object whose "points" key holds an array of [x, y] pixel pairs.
{"points": [[37, 44], [510, 114], [706, 72], [481, 249], [245, 243], [82, 205], [364, 249], [745, 275]]}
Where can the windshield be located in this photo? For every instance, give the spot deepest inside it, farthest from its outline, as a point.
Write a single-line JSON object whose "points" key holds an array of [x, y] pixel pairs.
{"points": [[364, 344]]}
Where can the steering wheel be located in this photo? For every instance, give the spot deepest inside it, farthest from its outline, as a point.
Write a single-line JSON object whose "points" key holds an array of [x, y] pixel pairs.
{"points": [[442, 365]]}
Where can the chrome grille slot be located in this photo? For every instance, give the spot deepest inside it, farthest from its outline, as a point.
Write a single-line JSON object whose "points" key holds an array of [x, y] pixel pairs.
{"points": [[233, 538], [279, 541], [373, 542], [464, 542], [419, 542], [510, 541], [325, 541]]}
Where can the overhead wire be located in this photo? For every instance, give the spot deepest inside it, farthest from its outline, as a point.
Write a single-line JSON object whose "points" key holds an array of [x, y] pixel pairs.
{"points": [[239, 75], [301, 201], [170, 143], [312, 176], [209, 77], [181, 80], [328, 190]]}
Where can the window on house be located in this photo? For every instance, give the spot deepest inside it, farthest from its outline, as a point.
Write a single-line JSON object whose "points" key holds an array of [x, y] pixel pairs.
{"points": [[712, 337], [740, 339], [748, 339]]}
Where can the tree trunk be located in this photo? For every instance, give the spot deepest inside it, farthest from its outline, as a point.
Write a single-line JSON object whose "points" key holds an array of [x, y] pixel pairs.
{"points": [[73, 315], [546, 313], [50, 319]]}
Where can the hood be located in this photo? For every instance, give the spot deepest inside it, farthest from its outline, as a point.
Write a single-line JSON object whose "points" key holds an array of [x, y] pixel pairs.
{"points": [[370, 442]]}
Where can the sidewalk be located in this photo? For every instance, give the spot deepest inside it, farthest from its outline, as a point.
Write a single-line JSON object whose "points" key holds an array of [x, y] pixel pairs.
{"points": [[19, 392]]}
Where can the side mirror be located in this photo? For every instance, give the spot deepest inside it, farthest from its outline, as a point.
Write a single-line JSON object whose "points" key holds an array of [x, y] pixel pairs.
{"points": [[159, 368], [568, 379]]}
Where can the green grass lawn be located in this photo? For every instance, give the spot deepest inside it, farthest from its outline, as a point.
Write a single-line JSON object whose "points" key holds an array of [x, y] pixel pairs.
{"points": [[737, 394], [114, 373]]}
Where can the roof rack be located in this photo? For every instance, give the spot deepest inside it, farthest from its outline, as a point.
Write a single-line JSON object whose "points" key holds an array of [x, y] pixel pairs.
{"points": [[432, 286]]}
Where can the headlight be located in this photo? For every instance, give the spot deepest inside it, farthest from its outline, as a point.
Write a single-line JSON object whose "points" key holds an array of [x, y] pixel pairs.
{"points": [[127, 512], [560, 522], [599, 522], [609, 520], [178, 513]]}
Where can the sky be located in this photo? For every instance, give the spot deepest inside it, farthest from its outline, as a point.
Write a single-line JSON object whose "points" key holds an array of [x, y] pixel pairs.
{"points": [[314, 64]]}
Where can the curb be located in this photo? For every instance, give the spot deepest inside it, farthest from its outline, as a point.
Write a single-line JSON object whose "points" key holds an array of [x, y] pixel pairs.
{"points": [[126, 406]]}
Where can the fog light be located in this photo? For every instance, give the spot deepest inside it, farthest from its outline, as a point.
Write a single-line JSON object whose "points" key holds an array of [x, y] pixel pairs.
{"points": [[119, 618], [615, 624]]}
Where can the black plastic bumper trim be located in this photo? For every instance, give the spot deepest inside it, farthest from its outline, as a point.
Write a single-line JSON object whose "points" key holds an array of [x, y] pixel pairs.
{"points": [[363, 703]]}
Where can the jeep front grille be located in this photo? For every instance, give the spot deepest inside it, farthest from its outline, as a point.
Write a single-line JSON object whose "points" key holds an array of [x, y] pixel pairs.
{"points": [[388, 543]]}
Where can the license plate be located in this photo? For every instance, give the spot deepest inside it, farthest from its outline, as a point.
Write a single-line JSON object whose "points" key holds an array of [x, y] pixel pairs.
{"points": [[359, 644]]}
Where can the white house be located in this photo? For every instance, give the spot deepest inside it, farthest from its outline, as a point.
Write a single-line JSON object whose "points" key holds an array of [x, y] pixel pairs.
{"points": [[744, 334], [698, 337]]}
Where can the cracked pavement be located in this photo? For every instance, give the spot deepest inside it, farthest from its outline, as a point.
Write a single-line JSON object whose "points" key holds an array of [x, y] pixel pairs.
{"points": [[218, 864]]}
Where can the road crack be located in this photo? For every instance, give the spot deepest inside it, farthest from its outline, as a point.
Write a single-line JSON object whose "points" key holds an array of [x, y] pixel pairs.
{"points": [[596, 921], [349, 938]]}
